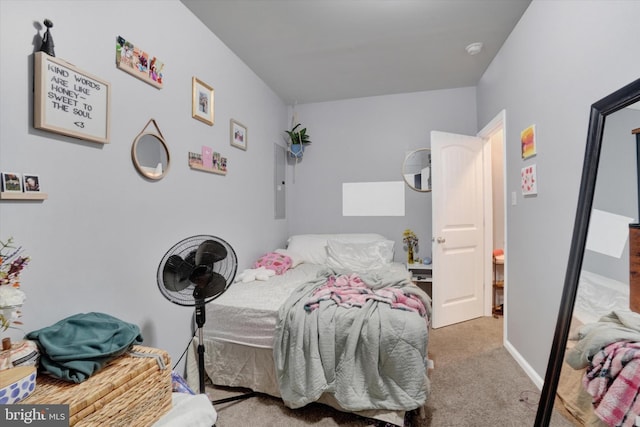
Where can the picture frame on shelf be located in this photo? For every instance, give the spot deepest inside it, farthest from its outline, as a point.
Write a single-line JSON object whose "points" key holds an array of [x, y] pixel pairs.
{"points": [[238, 135], [31, 183], [11, 182], [135, 61], [202, 102]]}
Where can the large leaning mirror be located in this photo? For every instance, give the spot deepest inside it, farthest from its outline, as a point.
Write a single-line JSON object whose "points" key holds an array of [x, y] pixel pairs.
{"points": [[150, 153], [416, 169], [597, 280]]}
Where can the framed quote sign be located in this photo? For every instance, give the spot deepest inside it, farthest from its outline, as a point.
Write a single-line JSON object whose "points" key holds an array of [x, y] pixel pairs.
{"points": [[69, 101]]}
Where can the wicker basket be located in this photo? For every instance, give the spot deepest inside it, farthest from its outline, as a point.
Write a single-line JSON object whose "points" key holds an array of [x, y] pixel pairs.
{"points": [[129, 391]]}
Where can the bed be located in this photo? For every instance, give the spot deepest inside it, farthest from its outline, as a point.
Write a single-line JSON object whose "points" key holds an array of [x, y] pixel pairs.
{"points": [[598, 297], [299, 336]]}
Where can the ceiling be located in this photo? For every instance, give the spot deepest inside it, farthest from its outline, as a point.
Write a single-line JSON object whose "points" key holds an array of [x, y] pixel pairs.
{"points": [[323, 50]]}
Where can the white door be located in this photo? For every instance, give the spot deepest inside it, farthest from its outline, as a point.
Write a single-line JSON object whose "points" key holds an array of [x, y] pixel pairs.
{"points": [[458, 246]]}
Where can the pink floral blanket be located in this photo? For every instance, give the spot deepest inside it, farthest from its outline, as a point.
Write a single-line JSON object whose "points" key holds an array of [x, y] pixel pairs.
{"points": [[351, 291]]}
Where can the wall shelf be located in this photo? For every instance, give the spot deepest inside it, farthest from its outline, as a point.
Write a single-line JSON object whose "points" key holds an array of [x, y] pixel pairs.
{"points": [[8, 195], [210, 170]]}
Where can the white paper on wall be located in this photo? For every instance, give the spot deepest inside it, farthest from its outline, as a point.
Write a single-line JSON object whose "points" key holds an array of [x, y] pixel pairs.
{"points": [[608, 233], [373, 198]]}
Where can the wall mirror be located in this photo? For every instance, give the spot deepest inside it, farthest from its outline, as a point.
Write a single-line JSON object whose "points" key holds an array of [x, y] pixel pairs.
{"points": [[150, 153], [608, 201], [416, 169]]}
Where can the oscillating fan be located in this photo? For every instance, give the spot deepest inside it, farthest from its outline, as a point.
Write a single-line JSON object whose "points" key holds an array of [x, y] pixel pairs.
{"points": [[194, 272]]}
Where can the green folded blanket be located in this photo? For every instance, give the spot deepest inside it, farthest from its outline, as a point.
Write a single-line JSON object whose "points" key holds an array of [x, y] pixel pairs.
{"points": [[78, 346]]}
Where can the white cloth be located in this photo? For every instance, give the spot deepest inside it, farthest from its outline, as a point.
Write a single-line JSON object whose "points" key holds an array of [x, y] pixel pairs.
{"points": [[189, 411]]}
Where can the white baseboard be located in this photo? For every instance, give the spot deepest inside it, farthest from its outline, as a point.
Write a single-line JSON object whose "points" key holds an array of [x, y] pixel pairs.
{"points": [[537, 380]]}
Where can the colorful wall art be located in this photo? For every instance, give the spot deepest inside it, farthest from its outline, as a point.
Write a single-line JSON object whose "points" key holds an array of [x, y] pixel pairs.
{"points": [[528, 142], [135, 61]]}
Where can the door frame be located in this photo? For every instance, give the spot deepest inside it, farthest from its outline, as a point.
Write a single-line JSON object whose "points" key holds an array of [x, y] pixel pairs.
{"points": [[497, 124]]}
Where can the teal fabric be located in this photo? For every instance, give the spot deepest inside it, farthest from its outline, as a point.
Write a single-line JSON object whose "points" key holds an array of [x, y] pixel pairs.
{"points": [[78, 346]]}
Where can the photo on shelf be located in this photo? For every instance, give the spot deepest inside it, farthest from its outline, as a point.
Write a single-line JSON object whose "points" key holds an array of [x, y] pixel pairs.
{"points": [[31, 182], [11, 182]]}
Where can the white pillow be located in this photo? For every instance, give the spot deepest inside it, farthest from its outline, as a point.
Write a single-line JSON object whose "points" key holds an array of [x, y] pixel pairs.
{"points": [[312, 248], [359, 257], [295, 258]]}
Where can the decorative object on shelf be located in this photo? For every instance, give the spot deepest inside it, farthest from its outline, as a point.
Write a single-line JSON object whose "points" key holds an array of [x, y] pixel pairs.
{"points": [[21, 353], [150, 153], [136, 62], [207, 157], [11, 182], [17, 384], [238, 135], [297, 141], [12, 262], [202, 101], [31, 182], [410, 241], [528, 142], [70, 101], [218, 163], [47, 41]]}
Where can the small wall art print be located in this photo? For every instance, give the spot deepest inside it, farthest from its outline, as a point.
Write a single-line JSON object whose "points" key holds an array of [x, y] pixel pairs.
{"points": [[202, 101], [138, 63], [529, 180], [11, 182], [207, 157], [238, 135], [31, 182], [69, 101], [528, 142]]}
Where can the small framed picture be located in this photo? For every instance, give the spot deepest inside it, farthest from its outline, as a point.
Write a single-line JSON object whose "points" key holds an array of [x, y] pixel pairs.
{"points": [[31, 182], [202, 101], [528, 142], [11, 182], [238, 135]]}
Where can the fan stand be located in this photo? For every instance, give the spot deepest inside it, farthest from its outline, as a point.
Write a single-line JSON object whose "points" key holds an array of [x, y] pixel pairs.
{"points": [[200, 320]]}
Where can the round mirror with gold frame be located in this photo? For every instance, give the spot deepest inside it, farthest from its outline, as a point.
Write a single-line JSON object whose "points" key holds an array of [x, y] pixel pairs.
{"points": [[416, 169], [150, 153]]}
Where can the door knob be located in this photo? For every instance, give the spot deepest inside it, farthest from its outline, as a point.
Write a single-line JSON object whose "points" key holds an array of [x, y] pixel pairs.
{"points": [[440, 239]]}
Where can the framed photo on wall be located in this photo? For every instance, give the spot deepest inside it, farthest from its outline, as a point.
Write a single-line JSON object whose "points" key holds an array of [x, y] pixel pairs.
{"points": [[31, 182], [238, 135], [202, 101], [528, 142], [11, 182], [69, 101]]}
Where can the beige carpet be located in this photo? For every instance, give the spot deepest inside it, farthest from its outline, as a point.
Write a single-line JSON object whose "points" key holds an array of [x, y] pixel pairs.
{"points": [[475, 383]]}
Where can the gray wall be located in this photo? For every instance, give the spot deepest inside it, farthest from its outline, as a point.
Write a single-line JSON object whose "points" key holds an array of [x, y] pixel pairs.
{"points": [[561, 57], [97, 241], [366, 140]]}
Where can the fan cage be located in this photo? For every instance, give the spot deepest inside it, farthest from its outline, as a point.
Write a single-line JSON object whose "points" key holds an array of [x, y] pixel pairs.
{"points": [[226, 267]]}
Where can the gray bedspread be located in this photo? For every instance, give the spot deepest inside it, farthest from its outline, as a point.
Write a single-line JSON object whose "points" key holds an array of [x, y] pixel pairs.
{"points": [[369, 357]]}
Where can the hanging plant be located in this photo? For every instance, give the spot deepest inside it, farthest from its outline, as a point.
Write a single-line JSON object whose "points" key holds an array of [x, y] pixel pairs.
{"points": [[297, 140], [298, 136]]}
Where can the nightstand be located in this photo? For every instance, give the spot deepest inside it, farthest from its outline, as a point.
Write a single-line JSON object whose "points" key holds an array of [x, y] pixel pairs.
{"points": [[422, 276]]}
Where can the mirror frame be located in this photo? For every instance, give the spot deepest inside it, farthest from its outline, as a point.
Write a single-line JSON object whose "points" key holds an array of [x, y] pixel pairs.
{"points": [[134, 155], [619, 99], [404, 164]]}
